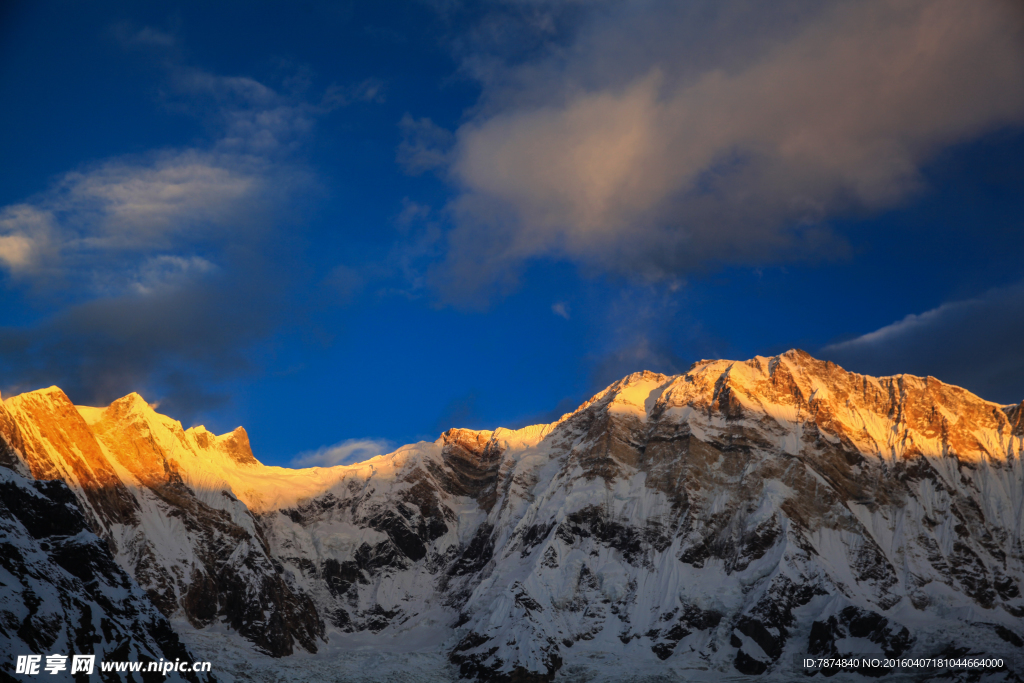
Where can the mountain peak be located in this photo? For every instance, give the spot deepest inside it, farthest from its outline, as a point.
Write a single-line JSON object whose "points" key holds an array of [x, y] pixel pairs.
{"points": [[236, 445], [52, 393], [133, 403]]}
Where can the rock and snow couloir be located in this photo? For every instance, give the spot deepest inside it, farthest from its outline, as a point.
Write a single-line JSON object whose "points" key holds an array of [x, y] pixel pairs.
{"points": [[723, 520]]}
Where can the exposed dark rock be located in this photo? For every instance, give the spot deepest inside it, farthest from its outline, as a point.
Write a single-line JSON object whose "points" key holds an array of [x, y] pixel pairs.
{"points": [[534, 536], [690, 619], [339, 576], [400, 534], [894, 639], [477, 554], [591, 522], [476, 662], [1009, 636]]}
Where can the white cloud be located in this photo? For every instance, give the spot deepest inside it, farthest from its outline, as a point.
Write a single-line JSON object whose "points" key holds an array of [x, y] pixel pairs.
{"points": [[345, 452], [16, 251], [258, 119], [152, 37], [164, 270], [138, 204], [639, 145], [25, 233], [132, 36], [411, 212], [227, 89], [560, 309]]}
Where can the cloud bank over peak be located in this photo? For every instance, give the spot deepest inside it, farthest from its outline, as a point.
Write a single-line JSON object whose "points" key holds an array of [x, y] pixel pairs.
{"points": [[656, 140], [973, 343]]}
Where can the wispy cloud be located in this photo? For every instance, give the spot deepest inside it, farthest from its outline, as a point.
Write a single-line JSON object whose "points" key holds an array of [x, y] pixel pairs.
{"points": [[169, 272], [425, 145], [656, 138], [17, 250], [647, 327], [25, 236], [134, 36], [110, 214], [132, 205], [560, 309], [346, 452], [371, 90]]}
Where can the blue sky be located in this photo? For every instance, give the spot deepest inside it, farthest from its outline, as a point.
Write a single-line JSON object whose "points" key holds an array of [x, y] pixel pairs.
{"points": [[348, 225]]}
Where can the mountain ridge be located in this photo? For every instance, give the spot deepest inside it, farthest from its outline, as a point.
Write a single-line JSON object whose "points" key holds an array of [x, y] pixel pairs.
{"points": [[713, 520]]}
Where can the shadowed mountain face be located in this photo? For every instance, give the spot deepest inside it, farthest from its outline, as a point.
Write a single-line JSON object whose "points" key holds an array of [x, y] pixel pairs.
{"points": [[61, 591], [723, 520]]}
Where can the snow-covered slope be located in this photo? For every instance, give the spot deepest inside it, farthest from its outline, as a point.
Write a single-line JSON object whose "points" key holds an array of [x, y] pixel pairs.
{"points": [[718, 522]]}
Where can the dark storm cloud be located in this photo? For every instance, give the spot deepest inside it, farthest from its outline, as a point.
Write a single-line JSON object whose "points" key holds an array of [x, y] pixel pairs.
{"points": [[975, 343], [659, 138]]}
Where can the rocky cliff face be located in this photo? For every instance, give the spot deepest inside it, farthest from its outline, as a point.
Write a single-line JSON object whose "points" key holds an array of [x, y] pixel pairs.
{"points": [[724, 520], [61, 591]]}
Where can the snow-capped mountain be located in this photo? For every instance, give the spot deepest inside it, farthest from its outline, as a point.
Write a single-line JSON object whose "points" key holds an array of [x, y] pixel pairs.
{"points": [[723, 521]]}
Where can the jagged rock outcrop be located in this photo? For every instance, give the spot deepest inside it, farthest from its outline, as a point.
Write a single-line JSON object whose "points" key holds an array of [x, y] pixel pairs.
{"points": [[722, 520]]}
